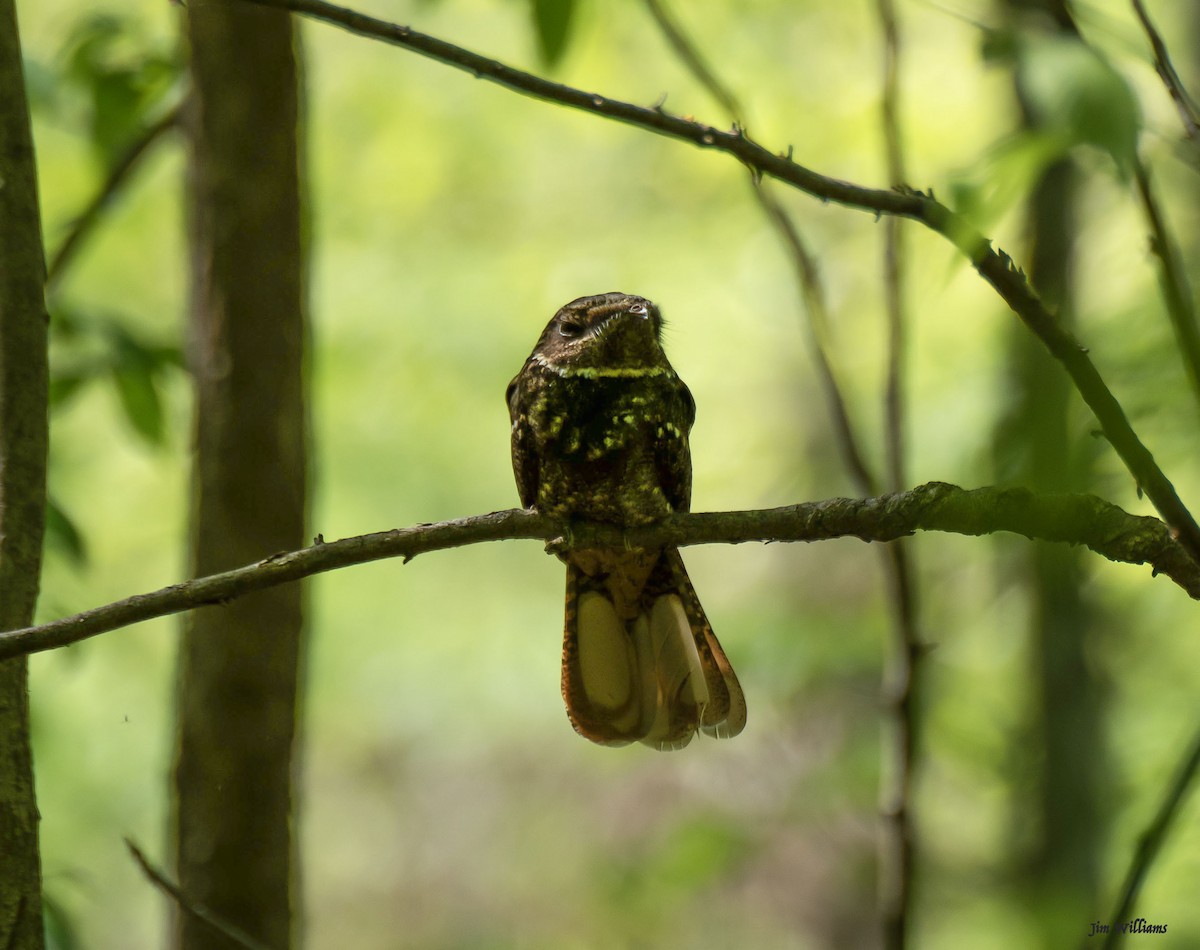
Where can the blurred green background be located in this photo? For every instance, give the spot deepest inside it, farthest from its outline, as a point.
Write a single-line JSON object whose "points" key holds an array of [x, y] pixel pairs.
{"points": [[445, 800]]}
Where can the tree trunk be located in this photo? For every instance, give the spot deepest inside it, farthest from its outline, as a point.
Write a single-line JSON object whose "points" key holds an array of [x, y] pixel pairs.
{"points": [[239, 663], [23, 441], [1067, 746], [1069, 731]]}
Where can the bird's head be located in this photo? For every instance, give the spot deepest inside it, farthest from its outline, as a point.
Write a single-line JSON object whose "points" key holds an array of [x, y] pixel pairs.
{"points": [[606, 332]]}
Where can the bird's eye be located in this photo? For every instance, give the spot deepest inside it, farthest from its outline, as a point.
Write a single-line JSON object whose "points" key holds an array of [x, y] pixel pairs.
{"points": [[638, 308], [570, 329]]}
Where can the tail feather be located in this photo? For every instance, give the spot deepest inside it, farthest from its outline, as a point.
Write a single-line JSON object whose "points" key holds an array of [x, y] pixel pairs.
{"points": [[725, 716], [640, 661], [604, 692], [681, 695]]}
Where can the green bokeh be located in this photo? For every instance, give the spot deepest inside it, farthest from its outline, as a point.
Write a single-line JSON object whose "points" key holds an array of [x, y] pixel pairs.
{"points": [[445, 801]]}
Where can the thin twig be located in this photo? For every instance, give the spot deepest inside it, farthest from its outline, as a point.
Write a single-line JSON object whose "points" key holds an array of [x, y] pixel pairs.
{"points": [[117, 175], [900, 678], [690, 55], [191, 908], [807, 275], [995, 267], [896, 846], [897, 348], [808, 279], [1074, 519], [1152, 840], [805, 268], [1189, 114], [1176, 290], [893, 254]]}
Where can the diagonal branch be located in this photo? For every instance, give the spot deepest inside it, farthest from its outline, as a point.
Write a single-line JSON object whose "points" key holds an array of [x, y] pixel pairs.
{"points": [[1189, 114], [994, 266], [230, 932], [893, 251], [695, 62], [1176, 288], [896, 847], [808, 280], [1074, 519], [1152, 839], [804, 267], [898, 850], [117, 175]]}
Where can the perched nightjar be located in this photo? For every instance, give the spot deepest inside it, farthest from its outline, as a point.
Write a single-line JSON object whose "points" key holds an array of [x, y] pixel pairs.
{"points": [[600, 424]]}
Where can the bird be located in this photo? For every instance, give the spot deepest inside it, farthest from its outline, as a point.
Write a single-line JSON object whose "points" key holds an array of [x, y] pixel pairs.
{"points": [[600, 425]]}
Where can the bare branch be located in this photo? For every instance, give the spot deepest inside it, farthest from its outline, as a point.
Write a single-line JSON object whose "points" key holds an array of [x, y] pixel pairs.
{"points": [[1176, 289], [1152, 839], [808, 279], [898, 684], [278, 569], [936, 506], [894, 250], [117, 175], [758, 158], [1189, 115], [686, 50], [897, 849], [994, 266], [189, 907], [804, 266]]}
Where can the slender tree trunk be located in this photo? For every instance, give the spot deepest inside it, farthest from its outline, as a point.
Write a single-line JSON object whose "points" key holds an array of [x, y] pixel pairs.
{"points": [[1067, 736], [1070, 733], [23, 441], [239, 663]]}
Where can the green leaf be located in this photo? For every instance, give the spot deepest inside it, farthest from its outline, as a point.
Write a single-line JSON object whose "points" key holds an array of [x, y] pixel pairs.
{"points": [[138, 393], [66, 383], [123, 80], [62, 533], [1075, 94], [1003, 176], [88, 345], [552, 21]]}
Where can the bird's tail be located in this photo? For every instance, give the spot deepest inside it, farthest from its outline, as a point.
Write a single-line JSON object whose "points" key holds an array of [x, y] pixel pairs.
{"points": [[640, 661]]}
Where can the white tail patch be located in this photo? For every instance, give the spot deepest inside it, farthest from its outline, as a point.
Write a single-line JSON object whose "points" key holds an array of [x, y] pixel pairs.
{"points": [[606, 664], [675, 667], [611, 666]]}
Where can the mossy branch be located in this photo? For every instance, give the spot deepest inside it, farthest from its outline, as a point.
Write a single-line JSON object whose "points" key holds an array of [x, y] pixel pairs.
{"points": [[994, 266], [1072, 519]]}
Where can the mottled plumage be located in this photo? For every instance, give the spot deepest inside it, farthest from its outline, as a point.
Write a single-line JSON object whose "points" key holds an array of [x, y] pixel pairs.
{"points": [[600, 424]]}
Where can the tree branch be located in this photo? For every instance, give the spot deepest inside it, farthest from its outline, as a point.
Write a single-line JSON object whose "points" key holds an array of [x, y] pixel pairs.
{"points": [[804, 267], [898, 849], [1074, 519], [691, 57], [808, 281], [198, 911], [994, 266], [85, 223], [1152, 839], [1176, 288], [1189, 114]]}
